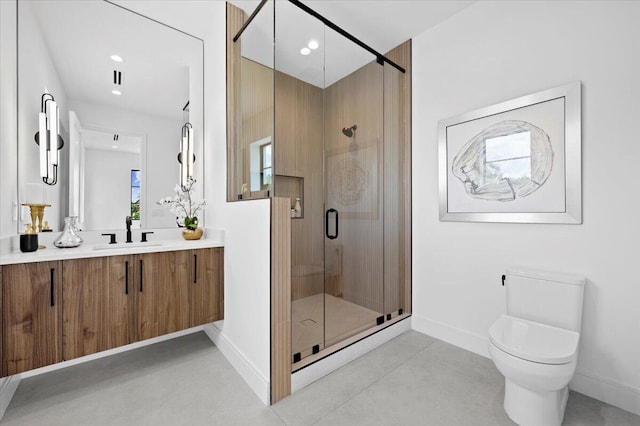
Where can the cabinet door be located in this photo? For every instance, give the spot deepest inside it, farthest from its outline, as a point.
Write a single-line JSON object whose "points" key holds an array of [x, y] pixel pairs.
{"points": [[98, 305], [206, 290], [162, 294], [32, 316]]}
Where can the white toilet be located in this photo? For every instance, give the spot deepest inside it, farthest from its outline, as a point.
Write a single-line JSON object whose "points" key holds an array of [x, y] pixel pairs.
{"points": [[535, 345]]}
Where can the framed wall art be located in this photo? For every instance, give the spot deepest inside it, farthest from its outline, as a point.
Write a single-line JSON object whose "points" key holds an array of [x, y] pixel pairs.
{"points": [[516, 161]]}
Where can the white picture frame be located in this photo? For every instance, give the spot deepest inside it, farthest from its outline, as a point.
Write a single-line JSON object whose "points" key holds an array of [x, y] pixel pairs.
{"points": [[553, 189]]}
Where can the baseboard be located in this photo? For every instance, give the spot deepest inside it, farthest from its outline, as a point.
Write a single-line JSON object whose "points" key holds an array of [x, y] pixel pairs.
{"points": [[323, 367], [616, 394], [456, 336], [256, 381], [8, 386], [620, 395]]}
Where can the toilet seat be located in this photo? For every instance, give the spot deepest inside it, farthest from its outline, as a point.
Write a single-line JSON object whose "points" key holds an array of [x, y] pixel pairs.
{"points": [[533, 341]]}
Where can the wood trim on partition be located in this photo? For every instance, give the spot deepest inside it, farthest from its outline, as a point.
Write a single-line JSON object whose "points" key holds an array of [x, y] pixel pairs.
{"points": [[401, 55], [280, 299], [235, 20]]}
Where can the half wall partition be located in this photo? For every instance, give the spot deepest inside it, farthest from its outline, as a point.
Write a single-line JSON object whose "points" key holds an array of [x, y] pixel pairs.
{"points": [[323, 121]]}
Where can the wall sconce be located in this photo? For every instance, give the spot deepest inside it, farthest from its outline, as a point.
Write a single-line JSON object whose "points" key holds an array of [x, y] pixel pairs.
{"points": [[48, 139], [186, 156]]}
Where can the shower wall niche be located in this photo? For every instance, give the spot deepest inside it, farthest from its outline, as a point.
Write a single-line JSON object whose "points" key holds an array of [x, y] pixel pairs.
{"points": [[336, 120]]}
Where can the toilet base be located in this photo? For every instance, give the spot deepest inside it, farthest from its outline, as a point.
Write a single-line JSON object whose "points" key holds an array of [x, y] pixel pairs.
{"points": [[531, 408]]}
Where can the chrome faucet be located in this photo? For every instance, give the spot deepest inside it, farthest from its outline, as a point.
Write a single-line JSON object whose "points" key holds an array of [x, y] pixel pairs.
{"points": [[128, 222]]}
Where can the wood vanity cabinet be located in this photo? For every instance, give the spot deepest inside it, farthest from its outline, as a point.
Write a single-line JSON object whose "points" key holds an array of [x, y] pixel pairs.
{"points": [[32, 316], [55, 311], [162, 294], [98, 297], [206, 294]]}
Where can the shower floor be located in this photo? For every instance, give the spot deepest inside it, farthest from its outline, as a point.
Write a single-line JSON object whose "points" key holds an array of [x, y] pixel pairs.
{"points": [[313, 316]]}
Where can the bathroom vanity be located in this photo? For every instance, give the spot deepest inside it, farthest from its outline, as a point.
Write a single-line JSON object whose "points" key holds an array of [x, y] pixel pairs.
{"points": [[58, 305]]}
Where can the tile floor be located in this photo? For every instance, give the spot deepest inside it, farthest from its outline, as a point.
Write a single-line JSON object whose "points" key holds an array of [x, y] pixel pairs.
{"points": [[412, 380], [321, 316]]}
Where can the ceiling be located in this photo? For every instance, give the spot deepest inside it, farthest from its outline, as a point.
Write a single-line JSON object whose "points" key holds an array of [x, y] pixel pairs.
{"points": [[81, 36], [106, 141], [381, 24]]}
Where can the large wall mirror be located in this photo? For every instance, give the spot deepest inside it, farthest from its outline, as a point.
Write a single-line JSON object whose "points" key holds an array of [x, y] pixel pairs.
{"points": [[125, 86]]}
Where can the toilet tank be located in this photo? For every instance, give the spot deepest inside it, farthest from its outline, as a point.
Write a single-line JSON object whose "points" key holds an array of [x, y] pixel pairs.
{"points": [[546, 297]]}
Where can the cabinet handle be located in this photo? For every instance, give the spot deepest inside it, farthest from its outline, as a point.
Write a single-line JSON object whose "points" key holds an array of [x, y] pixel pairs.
{"points": [[141, 274], [53, 300], [195, 268], [126, 277]]}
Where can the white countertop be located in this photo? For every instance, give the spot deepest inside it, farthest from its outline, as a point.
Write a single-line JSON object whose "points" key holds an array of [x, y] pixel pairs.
{"points": [[164, 241]]}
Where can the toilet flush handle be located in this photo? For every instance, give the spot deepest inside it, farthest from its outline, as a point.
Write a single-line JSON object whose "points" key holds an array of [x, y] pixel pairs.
{"points": [[504, 277]]}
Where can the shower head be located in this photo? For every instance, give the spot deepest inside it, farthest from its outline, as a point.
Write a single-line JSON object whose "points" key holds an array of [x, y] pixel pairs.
{"points": [[348, 131]]}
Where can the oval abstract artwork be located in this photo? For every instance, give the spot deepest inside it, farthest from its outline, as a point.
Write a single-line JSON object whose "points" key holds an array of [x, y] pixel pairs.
{"points": [[509, 160]]}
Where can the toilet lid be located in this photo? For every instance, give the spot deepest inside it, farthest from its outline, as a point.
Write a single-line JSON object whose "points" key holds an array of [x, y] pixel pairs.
{"points": [[534, 341]]}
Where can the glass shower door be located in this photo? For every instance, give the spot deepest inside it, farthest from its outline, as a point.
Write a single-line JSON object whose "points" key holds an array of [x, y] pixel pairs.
{"points": [[299, 87], [353, 153]]}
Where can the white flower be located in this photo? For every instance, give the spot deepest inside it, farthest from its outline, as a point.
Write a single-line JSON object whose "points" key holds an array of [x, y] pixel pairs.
{"points": [[183, 204]]}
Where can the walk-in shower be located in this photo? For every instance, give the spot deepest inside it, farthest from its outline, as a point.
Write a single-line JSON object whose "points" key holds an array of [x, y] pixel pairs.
{"points": [[301, 85]]}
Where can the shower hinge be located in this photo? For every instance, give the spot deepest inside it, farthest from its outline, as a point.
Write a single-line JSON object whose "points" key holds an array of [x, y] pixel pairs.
{"points": [[380, 320], [399, 311], [388, 317], [297, 357], [316, 349]]}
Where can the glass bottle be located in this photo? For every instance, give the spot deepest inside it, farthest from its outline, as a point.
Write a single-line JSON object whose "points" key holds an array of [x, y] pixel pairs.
{"points": [[69, 237], [298, 208]]}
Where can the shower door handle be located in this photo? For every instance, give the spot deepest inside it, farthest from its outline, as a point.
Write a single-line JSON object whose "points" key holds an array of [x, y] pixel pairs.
{"points": [[326, 224]]}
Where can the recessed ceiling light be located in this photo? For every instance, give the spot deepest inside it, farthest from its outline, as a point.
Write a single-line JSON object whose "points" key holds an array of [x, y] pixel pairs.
{"points": [[305, 51], [117, 58], [313, 45], [114, 146], [116, 92]]}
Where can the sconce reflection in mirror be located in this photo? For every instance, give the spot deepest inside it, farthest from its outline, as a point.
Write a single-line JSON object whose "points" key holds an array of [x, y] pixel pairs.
{"points": [[48, 139], [186, 156]]}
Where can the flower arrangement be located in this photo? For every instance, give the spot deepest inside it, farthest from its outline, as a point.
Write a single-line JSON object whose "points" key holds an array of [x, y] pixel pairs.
{"points": [[184, 206]]}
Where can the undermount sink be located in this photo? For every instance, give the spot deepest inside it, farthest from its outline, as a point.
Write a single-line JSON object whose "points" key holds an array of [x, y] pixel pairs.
{"points": [[127, 245]]}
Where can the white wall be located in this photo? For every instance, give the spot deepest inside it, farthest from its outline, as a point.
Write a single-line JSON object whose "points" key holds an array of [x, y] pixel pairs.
{"points": [[107, 183], [37, 68], [8, 147], [160, 167], [246, 224], [8, 125], [495, 51]]}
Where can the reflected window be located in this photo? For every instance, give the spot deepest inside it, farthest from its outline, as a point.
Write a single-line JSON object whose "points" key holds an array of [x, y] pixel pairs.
{"points": [[265, 165], [135, 194], [508, 157]]}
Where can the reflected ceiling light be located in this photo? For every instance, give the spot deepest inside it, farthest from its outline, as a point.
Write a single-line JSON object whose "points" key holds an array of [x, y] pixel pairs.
{"points": [[305, 51], [114, 146], [313, 45], [48, 139], [116, 92], [186, 156], [117, 58]]}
